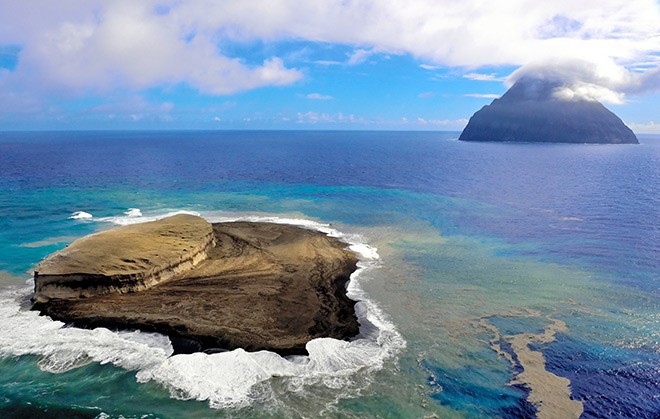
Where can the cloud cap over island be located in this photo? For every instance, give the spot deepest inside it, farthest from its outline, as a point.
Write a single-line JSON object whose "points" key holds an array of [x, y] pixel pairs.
{"points": [[92, 55], [548, 110]]}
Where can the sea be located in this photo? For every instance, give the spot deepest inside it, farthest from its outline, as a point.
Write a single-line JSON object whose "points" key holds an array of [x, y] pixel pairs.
{"points": [[497, 280]]}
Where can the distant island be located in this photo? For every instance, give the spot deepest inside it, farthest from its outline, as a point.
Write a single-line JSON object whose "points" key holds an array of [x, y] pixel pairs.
{"points": [[532, 111], [207, 286]]}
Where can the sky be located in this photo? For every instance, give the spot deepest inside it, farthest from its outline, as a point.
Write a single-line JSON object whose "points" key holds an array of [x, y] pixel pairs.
{"points": [[315, 64]]}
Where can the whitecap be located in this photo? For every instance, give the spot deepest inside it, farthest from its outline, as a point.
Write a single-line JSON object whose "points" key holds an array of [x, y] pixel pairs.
{"points": [[133, 212], [229, 379], [128, 219], [364, 250], [80, 215]]}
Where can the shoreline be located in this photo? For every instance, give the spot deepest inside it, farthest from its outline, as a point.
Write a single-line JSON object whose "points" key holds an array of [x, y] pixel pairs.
{"points": [[280, 315], [234, 376]]}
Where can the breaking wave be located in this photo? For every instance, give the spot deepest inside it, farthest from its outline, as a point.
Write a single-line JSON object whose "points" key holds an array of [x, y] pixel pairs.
{"points": [[231, 379], [80, 215]]}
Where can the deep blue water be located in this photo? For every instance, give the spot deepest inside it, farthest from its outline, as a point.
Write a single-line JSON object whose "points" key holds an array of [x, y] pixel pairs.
{"points": [[612, 372], [586, 215]]}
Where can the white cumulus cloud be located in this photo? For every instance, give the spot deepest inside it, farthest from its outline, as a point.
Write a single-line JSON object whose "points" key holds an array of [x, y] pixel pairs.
{"points": [[75, 46], [603, 80], [103, 46]]}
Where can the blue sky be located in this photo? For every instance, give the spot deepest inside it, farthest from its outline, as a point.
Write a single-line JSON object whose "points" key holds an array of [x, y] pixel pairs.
{"points": [[418, 65]]}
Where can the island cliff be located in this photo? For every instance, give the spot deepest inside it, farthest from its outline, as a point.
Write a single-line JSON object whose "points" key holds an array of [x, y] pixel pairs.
{"points": [[533, 110], [125, 259], [245, 285]]}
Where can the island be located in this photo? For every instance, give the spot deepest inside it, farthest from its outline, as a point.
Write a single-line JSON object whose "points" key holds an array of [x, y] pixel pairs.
{"points": [[209, 287], [539, 110]]}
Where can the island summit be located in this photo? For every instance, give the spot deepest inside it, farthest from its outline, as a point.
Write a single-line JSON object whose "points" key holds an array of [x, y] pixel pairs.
{"points": [[537, 110]]}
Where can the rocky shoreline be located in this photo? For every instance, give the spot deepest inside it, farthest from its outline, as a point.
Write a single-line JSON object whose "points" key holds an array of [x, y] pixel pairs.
{"points": [[259, 286]]}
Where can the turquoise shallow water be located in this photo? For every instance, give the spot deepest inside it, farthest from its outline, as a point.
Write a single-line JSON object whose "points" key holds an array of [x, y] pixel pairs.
{"points": [[478, 243]]}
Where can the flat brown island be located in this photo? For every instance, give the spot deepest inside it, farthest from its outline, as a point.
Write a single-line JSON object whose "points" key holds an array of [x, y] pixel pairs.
{"points": [[227, 285]]}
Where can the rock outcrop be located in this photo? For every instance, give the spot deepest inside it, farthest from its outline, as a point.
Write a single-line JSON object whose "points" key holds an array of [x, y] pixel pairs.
{"points": [[534, 110], [261, 286], [125, 259]]}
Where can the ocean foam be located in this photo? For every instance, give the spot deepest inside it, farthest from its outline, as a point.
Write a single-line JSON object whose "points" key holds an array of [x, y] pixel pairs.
{"points": [[80, 215], [133, 212], [229, 379], [25, 332], [330, 363], [129, 217]]}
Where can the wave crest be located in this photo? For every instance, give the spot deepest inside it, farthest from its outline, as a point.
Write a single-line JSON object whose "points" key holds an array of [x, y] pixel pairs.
{"points": [[231, 379]]}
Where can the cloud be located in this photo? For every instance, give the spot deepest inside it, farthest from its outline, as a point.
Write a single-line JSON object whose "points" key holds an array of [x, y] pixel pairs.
{"points": [[327, 62], [318, 96], [602, 80], [426, 95], [106, 46], [359, 56], [483, 77], [482, 95], [470, 33], [645, 128], [342, 119], [75, 47], [442, 123], [317, 118], [430, 67]]}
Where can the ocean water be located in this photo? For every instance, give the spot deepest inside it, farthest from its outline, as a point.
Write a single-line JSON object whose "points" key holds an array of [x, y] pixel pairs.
{"points": [[486, 269]]}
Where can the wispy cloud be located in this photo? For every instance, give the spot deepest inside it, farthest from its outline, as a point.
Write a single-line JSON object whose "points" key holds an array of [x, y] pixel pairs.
{"points": [[482, 95], [331, 118], [426, 95], [356, 57], [318, 96], [645, 128], [430, 67], [359, 56], [342, 119], [483, 77], [444, 123], [327, 62]]}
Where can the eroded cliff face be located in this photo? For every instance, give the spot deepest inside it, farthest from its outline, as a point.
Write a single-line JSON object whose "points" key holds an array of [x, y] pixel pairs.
{"points": [[125, 259], [532, 111]]}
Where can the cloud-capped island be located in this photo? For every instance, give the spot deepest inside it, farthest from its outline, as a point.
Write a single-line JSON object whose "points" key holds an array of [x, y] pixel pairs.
{"points": [[544, 110]]}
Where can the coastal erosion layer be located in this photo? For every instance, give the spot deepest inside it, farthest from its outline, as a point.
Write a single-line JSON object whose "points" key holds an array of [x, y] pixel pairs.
{"points": [[253, 286], [125, 259]]}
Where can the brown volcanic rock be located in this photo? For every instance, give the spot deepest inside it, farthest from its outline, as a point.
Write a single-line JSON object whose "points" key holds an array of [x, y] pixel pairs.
{"points": [[263, 286], [124, 259]]}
